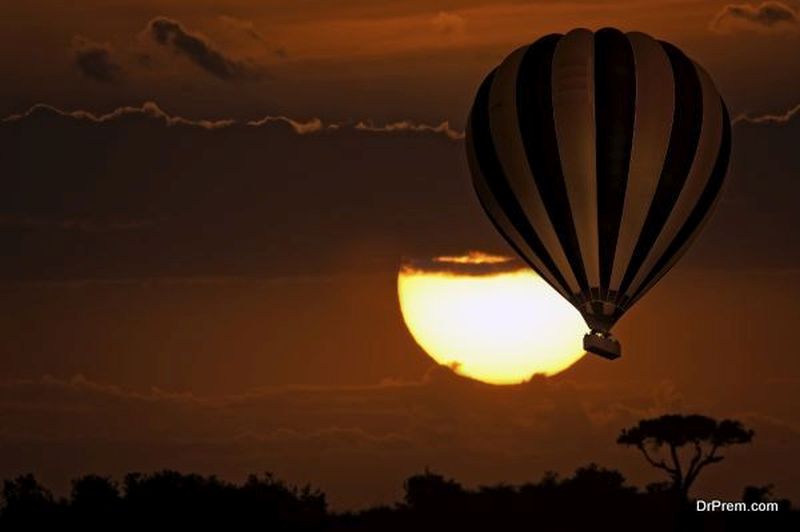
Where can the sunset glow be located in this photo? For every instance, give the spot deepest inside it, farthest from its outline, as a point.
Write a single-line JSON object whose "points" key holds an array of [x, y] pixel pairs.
{"points": [[215, 213], [498, 328]]}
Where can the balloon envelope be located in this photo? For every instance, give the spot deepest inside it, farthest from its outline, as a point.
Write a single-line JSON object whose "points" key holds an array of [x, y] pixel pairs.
{"points": [[598, 157]]}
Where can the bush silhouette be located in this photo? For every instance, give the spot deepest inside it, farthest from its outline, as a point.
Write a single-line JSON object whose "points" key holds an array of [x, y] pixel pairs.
{"points": [[593, 497], [27, 504], [95, 501]]}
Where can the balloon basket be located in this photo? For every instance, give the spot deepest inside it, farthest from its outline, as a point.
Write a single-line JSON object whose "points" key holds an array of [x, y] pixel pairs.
{"points": [[602, 344]]}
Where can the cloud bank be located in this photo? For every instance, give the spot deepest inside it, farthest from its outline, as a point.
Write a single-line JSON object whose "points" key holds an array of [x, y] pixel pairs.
{"points": [[142, 192], [272, 196]]}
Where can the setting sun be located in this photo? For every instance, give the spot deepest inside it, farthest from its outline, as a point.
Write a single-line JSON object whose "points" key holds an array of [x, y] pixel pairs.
{"points": [[497, 326]]}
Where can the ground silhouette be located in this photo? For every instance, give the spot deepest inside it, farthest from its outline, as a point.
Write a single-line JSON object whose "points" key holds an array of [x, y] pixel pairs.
{"points": [[592, 498]]}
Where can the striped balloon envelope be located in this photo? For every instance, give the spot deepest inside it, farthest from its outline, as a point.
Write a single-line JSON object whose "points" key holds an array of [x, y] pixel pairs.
{"points": [[598, 157]]}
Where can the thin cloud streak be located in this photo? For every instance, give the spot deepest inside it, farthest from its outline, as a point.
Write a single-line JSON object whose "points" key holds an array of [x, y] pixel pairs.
{"points": [[301, 127], [774, 119]]}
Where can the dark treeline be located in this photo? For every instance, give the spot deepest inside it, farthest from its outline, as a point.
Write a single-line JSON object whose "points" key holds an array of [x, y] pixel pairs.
{"points": [[593, 498]]}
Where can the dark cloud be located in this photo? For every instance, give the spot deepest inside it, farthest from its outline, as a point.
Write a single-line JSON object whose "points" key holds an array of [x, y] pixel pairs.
{"points": [[141, 192], [767, 15], [280, 195], [200, 51], [95, 60], [266, 197]]}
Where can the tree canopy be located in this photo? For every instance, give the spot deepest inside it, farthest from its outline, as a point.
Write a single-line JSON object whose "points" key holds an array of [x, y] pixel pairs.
{"points": [[704, 436]]}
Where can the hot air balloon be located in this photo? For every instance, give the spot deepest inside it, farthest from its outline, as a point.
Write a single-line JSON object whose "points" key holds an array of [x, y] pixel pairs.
{"points": [[598, 157]]}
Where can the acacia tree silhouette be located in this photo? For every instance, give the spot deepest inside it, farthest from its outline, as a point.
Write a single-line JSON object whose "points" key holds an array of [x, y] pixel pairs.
{"points": [[705, 435]]}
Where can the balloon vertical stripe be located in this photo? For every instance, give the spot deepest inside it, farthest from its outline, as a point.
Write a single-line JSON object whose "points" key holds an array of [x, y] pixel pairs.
{"points": [[699, 174], [615, 106], [490, 172], [507, 140], [685, 135], [537, 127], [574, 120], [700, 213], [652, 127]]}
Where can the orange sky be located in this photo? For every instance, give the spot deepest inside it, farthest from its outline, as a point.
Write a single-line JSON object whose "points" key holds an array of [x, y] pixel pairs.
{"points": [[380, 60], [221, 297]]}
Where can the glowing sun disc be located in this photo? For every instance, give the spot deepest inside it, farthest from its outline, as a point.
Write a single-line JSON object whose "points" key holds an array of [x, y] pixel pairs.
{"points": [[498, 328]]}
